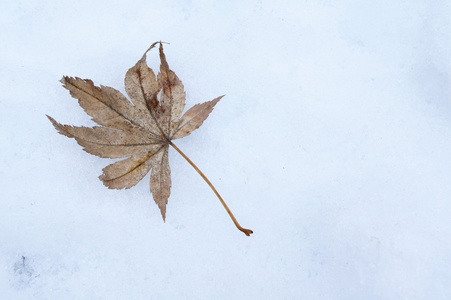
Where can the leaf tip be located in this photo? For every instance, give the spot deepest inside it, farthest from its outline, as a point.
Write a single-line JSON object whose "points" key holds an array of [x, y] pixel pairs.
{"points": [[150, 48], [216, 100], [54, 123], [163, 212], [63, 79], [59, 127]]}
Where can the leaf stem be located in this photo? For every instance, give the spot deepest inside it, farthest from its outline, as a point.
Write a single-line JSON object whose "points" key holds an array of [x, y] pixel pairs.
{"points": [[247, 232]]}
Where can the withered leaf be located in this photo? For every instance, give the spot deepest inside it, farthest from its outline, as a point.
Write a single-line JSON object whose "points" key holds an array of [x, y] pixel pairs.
{"points": [[139, 130]]}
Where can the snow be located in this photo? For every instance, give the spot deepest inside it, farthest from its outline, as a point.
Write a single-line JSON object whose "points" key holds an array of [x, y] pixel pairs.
{"points": [[333, 144]]}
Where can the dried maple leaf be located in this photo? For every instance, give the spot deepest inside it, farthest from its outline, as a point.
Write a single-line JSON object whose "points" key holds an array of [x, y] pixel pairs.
{"points": [[141, 130]]}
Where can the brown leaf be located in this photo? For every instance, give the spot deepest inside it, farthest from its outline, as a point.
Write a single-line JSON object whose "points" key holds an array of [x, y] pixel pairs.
{"points": [[107, 142], [141, 129], [193, 118], [128, 172], [105, 105], [160, 180]]}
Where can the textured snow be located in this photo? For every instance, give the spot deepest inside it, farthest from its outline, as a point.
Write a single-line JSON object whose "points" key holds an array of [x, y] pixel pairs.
{"points": [[333, 144]]}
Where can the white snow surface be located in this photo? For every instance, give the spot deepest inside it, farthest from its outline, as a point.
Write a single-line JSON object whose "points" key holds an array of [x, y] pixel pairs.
{"points": [[333, 143]]}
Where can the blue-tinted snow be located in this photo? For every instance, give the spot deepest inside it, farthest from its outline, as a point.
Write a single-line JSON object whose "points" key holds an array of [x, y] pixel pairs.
{"points": [[333, 144]]}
